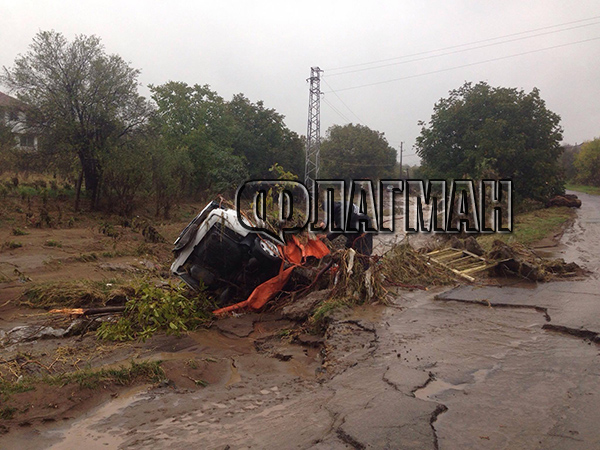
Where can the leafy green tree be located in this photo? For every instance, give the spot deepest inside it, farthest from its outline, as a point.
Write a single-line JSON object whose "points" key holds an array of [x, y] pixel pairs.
{"points": [[7, 142], [126, 172], [262, 138], [567, 161], [171, 171], [226, 142], [355, 152], [85, 100], [194, 122], [587, 163], [484, 132]]}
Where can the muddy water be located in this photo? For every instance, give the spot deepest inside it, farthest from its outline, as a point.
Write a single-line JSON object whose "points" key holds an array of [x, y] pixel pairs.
{"points": [[243, 381], [82, 430], [538, 389], [581, 243]]}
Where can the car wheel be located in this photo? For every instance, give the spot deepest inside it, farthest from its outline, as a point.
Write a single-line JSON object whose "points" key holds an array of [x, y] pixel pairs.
{"points": [[265, 250]]}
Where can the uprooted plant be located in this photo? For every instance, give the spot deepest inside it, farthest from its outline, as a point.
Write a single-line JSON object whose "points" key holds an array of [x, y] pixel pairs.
{"points": [[151, 308]]}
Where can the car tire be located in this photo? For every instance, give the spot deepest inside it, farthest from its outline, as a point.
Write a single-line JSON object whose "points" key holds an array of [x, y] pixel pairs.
{"points": [[265, 250]]}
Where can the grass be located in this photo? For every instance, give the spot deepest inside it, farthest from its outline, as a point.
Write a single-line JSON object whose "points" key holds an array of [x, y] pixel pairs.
{"points": [[8, 388], [145, 371], [69, 294], [19, 232], [323, 312], [593, 190], [53, 243], [7, 413], [86, 257], [532, 227], [91, 379], [13, 245]]}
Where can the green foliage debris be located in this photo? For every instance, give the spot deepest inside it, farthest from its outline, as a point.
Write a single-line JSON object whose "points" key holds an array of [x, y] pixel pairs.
{"points": [[150, 309]]}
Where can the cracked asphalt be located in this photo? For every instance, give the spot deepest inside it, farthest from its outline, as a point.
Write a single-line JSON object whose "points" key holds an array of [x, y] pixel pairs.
{"points": [[469, 368]]}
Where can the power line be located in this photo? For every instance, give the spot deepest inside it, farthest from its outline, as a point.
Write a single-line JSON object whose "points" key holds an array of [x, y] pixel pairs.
{"points": [[458, 51], [467, 65], [343, 103], [464, 45], [337, 111]]}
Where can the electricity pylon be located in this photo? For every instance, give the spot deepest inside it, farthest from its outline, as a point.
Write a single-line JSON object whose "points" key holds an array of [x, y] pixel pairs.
{"points": [[313, 133]]}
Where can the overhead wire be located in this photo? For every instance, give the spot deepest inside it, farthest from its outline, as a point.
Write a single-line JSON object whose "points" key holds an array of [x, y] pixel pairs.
{"points": [[457, 51], [337, 111], [464, 45], [500, 58], [342, 101], [454, 50]]}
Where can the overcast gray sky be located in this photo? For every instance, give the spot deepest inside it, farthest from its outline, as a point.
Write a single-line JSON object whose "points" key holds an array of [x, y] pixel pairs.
{"points": [[264, 49]]}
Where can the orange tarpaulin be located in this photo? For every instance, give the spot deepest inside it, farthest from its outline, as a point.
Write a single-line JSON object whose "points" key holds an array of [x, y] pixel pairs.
{"points": [[293, 252], [262, 294]]}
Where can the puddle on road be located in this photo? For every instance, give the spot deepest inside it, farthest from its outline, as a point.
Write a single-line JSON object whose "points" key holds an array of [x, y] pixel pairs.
{"points": [[437, 387], [82, 432], [210, 340]]}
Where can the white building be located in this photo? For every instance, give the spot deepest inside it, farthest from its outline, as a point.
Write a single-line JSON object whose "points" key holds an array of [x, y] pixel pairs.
{"points": [[13, 114]]}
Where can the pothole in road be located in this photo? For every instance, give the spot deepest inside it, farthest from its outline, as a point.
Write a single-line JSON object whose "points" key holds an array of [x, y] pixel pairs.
{"points": [[434, 388], [437, 387]]}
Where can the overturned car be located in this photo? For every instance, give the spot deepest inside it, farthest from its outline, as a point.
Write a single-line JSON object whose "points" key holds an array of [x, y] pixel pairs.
{"points": [[217, 252], [232, 262]]}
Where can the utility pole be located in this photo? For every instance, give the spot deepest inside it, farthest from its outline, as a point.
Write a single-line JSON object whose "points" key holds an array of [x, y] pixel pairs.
{"points": [[401, 145], [313, 132]]}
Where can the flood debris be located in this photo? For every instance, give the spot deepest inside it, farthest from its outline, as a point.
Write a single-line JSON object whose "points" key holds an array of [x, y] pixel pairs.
{"points": [[459, 261], [88, 311], [75, 294], [404, 266], [244, 270], [518, 260], [569, 200]]}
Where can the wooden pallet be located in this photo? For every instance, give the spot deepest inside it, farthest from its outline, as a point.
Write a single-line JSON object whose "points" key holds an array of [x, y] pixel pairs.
{"points": [[462, 262]]}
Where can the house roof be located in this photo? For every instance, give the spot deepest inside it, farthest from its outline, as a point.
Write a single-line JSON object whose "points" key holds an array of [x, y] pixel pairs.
{"points": [[7, 100]]}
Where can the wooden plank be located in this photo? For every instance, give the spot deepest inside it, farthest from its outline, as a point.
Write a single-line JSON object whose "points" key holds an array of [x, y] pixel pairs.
{"points": [[478, 269], [449, 257], [444, 250], [459, 261]]}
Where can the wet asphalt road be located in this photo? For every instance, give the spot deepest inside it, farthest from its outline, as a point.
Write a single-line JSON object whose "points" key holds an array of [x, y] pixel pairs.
{"points": [[424, 373]]}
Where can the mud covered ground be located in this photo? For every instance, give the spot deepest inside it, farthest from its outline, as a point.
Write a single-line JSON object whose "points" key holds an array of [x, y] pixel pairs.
{"points": [[511, 366]]}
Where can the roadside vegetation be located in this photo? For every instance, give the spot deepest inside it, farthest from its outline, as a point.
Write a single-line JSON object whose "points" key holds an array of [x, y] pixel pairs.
{"points": [[592, 190], [533, 226], [89, 379], [581, 165]]}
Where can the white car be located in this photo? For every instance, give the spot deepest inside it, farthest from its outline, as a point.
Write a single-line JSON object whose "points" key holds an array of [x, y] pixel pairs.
{"points": [[217, 252]]}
